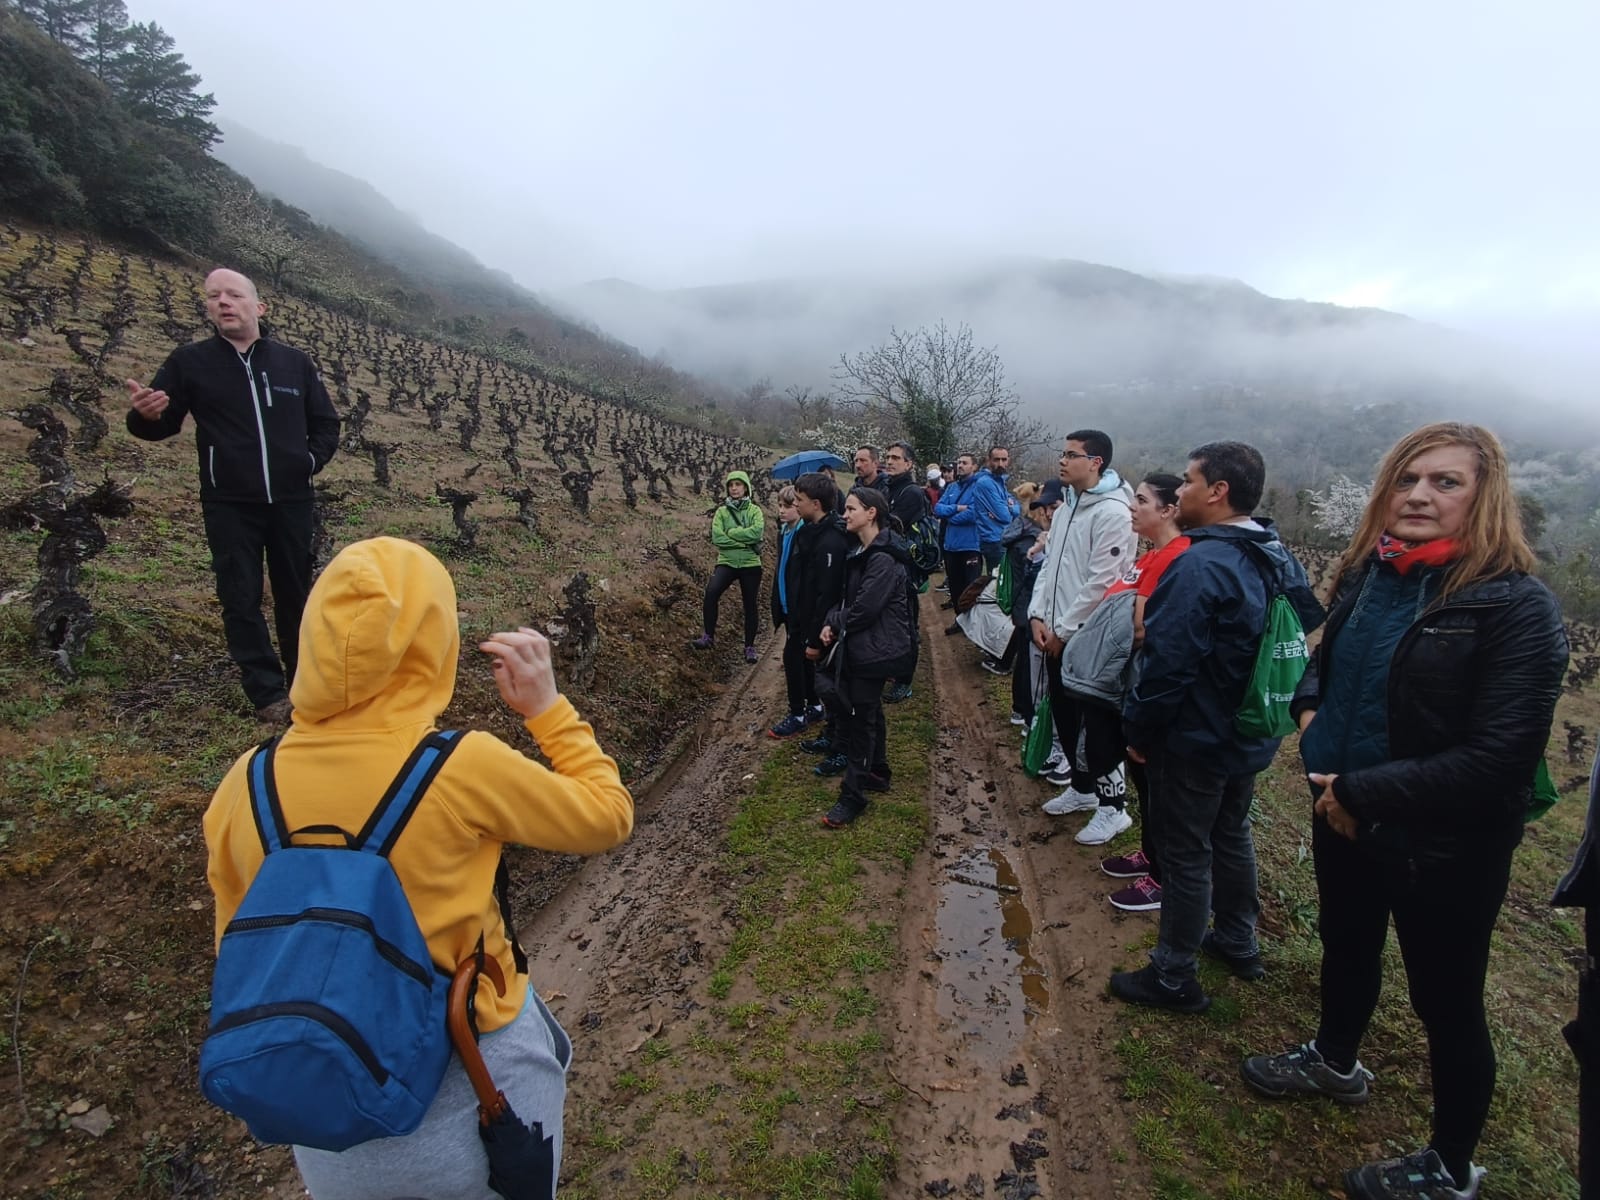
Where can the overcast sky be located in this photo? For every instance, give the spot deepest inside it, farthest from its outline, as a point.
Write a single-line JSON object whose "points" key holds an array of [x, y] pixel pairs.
{"points": [[1432, 156]]}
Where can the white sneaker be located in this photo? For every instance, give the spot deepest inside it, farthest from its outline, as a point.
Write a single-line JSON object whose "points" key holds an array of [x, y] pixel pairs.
{"points": [[1071, 801], [1106, 823]]}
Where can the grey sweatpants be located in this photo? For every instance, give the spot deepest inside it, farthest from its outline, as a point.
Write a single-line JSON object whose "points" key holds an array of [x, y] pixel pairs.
{"points": [[443, 1158]]}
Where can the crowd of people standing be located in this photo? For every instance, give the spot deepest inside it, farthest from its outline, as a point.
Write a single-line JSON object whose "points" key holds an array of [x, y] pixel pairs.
{"points": [[1423, 712]]}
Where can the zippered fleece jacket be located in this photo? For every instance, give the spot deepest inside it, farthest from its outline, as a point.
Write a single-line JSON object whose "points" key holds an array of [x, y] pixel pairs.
{"points": [[264, 424], [378, 651], [1089, 547], [737, 526]]}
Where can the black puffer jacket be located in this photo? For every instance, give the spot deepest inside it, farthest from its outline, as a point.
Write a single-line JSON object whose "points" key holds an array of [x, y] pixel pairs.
{"points": [[1472, 692], [875, 616]]}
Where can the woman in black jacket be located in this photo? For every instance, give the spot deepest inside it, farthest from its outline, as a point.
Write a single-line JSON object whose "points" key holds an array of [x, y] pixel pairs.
{"points": [[1423, 721], [869, 635]]}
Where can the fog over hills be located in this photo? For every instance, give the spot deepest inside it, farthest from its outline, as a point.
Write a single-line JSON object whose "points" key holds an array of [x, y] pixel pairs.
{"points": [[1064, 329], [1080, 340]]}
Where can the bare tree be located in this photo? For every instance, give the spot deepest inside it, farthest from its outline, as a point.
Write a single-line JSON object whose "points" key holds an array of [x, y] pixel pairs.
{"points": [[938, 388]]}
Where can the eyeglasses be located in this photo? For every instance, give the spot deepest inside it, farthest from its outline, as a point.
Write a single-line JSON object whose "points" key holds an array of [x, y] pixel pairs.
{"points": [[1069, 454]]}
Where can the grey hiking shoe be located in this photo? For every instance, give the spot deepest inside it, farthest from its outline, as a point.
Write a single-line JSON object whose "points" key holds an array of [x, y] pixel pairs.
{"points": [[1419, 1176], [1301, 1072]]}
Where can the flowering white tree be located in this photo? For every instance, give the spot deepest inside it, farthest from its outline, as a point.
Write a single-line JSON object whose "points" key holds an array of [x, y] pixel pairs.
{"points": [[1339, 511], [842, 437]]}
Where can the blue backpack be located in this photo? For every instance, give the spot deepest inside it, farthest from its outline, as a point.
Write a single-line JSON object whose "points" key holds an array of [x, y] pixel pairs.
{"points": [[327, 1013]]}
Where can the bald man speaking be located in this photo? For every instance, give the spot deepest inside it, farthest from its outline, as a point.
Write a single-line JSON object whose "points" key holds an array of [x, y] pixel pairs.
{"points": [[264, 425]]}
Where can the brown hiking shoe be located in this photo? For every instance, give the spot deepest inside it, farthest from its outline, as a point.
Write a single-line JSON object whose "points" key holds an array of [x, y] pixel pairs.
{"points": [[279, 712]]}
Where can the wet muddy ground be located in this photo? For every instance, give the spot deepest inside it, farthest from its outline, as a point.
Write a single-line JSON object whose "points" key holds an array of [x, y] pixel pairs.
{"points": [[999, 1028]]}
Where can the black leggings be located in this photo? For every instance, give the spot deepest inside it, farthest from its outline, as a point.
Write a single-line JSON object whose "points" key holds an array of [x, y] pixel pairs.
{"points": [[1444, 908], [749, 591], [1101, 727], [1148, 841]]}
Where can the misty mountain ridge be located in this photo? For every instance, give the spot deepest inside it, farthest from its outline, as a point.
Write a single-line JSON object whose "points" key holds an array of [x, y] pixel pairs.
{"points": [[1059, 324], [361, 213], [1076, 336]]}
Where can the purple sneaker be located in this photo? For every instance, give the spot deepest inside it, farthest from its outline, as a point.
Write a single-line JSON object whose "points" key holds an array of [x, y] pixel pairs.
{"points": [[750, 654], [703, 642]]}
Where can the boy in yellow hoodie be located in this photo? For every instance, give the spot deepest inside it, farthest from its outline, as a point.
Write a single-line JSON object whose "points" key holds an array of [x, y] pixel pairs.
{"points": [[378, 649]]}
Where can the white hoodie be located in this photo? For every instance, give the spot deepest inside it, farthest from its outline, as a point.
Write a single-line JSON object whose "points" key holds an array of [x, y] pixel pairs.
{"points": [[1088, 548]]}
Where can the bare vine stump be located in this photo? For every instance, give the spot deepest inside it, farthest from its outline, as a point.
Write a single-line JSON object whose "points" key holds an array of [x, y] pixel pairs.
{"points": [[62, 616], [582, 639]]}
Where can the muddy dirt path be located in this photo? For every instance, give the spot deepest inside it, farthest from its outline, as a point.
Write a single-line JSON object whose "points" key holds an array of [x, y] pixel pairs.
{"points": [[999, 1027], [1004, 1031]]}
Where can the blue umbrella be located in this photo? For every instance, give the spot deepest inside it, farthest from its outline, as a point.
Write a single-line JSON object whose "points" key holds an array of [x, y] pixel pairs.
{"points": [[797, 465]]}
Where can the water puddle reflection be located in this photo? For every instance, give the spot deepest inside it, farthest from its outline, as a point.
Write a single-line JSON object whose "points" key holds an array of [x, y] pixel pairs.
{"points": [[991, 985]]}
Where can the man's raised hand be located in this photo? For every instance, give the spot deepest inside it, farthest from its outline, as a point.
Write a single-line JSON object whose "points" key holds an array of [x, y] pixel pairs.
{"points": [[147, 402]]}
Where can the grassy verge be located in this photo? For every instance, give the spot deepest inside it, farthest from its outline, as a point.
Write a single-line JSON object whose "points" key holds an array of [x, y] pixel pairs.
{"points": [[1204, 1134], [779, 1086]]}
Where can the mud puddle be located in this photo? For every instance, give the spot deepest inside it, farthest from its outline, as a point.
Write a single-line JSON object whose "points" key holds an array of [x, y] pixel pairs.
{"points": [[991, 986]]}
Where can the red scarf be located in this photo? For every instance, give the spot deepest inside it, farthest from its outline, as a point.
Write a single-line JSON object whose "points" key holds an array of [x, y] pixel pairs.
{"points": [[1402, 556]]}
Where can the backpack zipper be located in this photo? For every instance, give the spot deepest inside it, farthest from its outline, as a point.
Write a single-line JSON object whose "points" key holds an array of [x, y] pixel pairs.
{"points": [[323, 1016], [390, 953]]}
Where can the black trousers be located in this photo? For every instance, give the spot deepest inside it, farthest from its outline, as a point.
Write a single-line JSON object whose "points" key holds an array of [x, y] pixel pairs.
{"points": [[1444, 908], [858, 704], [1020, 651], [914, 604], [961, 567], [749, 592], [799, 675], [1100, 727], [239, 535]]}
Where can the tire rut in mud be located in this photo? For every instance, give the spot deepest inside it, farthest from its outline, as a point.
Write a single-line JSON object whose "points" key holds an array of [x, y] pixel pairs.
{"points": [[1004, 1033], [1000, 1033]]}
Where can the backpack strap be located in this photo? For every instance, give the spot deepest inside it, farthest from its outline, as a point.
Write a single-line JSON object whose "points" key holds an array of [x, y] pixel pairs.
{"points": [[264, 806], [388, 820]]}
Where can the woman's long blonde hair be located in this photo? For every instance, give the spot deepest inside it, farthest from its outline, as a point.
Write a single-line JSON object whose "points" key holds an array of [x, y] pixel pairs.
{"points": [[1492, 541]]}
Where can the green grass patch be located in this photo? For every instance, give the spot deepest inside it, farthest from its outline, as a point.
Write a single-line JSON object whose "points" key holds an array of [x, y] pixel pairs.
{"points": [[787, 1037]]}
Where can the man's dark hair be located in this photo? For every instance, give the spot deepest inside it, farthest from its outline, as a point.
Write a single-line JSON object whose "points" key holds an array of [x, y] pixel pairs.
{"points": [[993, 448], [1239, 466], [819, 487], [1095, 444], [904, 448], [877, 455]]}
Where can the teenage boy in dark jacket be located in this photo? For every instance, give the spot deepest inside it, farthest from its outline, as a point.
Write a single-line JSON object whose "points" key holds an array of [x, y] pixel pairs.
{"points": [[1203, 626], [814, 583], [264, 425]]}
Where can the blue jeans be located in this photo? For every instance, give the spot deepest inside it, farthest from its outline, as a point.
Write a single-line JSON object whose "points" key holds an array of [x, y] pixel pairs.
{"points": [[1201, 817]]}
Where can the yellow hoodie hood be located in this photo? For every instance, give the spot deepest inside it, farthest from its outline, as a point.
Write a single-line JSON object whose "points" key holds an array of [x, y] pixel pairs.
{"points": [[379, 639]]}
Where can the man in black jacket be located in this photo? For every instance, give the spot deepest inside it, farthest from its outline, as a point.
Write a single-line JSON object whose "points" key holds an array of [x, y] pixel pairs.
{"points": [[264, 425], [909, 504]]}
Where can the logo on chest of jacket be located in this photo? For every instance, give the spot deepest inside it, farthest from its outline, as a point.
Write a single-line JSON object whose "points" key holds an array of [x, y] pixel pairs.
{"points": [[287, 391]]}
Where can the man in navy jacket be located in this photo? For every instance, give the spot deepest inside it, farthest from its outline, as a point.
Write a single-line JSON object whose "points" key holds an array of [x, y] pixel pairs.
{"points": [[1203, 626], [264, 425]]}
